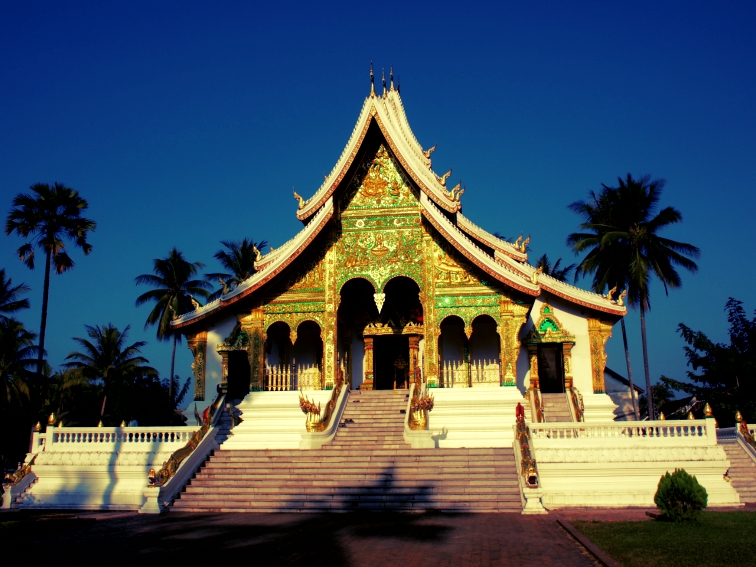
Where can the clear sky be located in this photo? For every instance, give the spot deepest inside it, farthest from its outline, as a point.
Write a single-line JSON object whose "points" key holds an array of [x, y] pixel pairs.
{"points": [[186, 123]]}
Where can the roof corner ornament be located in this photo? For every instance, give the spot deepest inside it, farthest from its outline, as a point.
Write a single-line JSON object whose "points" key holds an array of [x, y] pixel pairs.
{"points": [[444, 177], [427, 153], [380, 299], [257, 253], [524, 246], [456, 192], [620, 299], [611, 293], [534, 277], [383, 79], [391, 77], [299, 198], [372, 80]]}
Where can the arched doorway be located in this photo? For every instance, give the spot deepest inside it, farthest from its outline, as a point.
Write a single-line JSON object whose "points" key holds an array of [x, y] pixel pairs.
{"points": [[357, 308], [485, 348], [453, 353]]}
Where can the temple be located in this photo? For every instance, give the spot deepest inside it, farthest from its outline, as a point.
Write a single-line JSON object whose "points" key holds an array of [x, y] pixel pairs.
{"points": [[392, 356], [389, 282]]}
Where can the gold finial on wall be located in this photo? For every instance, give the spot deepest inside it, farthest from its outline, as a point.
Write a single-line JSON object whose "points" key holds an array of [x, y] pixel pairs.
{"points": [[707, 410]]}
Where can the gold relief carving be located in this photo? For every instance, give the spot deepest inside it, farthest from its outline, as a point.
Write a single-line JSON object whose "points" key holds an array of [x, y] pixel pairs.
{"points": [[513, 317], [533, 356], [381, 185], [430, 344], [449, 271], [224, 368], [598, 333], [253, 325], [197, 343], [309, 277], [548, 329], [332, 298]]}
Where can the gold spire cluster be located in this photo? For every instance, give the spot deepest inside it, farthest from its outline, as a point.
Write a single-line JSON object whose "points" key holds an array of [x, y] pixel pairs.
{"points": [[386, 89]]}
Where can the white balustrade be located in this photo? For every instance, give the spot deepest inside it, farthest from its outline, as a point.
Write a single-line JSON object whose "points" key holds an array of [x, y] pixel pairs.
{"points": [[647, 433], [112, 438]]}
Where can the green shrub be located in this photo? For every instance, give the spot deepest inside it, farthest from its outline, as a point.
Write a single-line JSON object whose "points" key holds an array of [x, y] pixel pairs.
{"points": [[679, 497]]}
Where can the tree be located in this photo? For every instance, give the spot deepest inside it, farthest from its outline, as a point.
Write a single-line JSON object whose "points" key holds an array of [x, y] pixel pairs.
{"points": [[17, 352], [105, 357], [50, 216], [239, 261], [724, 375], [9, 296], [172, 295], [554, 271], [625, 249]]}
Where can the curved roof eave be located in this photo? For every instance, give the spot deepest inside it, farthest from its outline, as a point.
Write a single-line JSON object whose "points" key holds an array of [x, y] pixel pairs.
{"points": [[293, 248], [388, 113], [499, 245], [474, 254]]}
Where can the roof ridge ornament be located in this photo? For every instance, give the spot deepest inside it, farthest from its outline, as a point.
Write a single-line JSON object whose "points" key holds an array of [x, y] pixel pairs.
{"points": [[299, 198], [383, 79], [372, 80], [391, 77], [427, 153], [444, 177]]}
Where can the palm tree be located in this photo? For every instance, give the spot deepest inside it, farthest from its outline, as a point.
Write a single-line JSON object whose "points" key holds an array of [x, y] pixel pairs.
{"points": [[17, 353], [239, 261], [50, 215], [554, 271], [9, 301], [172, 295], [624, 247], [105, 357]]}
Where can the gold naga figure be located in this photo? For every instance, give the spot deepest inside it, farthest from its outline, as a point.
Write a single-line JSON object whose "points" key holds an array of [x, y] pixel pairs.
{"points": [[611, 293], [299, 198], [621, 297], [427, 153], [444, 177], [524, 246]]}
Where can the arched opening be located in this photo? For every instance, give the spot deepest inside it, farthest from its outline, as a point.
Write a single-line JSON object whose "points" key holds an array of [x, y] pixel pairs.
{"points": [[356, 309], [454, 353], [307, 357], [485, 346], [278, 357]]}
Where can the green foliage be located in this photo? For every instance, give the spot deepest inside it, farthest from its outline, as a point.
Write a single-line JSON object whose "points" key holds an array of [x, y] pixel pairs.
{"points": [[9, 296], [662, 393], [238, 259], [554, 270], [723, 374], [679, 496]]}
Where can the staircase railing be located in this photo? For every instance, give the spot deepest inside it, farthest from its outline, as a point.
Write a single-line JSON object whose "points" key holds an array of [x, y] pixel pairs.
{"points": [[745, 436], [165, 484], [536, 405], [321, 425], [18, 481], [286, 377], [576, 404], [530, 489]]}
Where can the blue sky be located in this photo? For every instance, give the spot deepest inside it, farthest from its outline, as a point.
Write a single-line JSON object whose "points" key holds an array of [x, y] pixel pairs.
{"points": [[184, 124]]}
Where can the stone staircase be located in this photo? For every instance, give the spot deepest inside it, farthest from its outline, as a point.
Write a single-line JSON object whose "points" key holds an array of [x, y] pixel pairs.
{"points": [[556, 408], [367, 466], [742, 470]]}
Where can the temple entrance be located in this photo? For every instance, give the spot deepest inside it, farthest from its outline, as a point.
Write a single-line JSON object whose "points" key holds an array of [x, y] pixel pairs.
{"points": [[551, 368], [238, 375], [391, 362]]}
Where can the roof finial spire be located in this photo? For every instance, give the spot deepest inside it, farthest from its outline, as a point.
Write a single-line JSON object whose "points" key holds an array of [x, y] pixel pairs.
{"points": [[391, 77], [372, 80], [383, 78]]}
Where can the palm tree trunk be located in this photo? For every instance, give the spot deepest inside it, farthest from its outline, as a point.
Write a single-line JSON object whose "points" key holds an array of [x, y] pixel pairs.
{"points": [[173, 363], [629, 371], [649, 393], [36, 391]]}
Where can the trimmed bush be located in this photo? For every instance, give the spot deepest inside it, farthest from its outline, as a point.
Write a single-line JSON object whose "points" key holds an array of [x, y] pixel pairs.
{"points": [[679, 497]]}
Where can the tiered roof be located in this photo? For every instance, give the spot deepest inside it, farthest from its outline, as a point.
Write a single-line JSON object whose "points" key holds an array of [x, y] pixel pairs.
{"points": [[501, 260]]}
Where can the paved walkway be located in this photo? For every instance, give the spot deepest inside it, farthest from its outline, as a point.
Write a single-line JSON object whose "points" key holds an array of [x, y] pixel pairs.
{"points": [[395, 540]]}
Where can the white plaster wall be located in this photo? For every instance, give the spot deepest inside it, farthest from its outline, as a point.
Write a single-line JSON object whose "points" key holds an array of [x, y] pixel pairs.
{"points": [[215, 335], [574, 322]]}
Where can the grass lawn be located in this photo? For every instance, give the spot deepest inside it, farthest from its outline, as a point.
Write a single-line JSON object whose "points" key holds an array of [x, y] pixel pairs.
{"points": [[717, 538]]}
